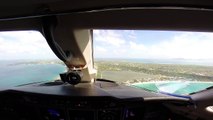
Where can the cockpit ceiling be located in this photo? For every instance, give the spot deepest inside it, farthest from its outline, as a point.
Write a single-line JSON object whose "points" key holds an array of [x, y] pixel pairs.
{"points": [[192, 15], [162, 18], [11, 8]]}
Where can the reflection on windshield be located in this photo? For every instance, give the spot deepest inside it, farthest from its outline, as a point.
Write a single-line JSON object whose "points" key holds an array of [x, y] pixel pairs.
{"points": [[25, 57], [161, 61]]}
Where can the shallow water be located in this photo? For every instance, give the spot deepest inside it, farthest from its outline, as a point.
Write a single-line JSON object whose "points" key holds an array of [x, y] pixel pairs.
{"points": [[13, 74], [174, 87]]}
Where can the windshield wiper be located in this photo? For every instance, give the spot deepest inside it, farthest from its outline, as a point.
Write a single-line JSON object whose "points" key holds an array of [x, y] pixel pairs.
{"points": [[175, 95], [209, 88], [105, 80], [201, 90]]}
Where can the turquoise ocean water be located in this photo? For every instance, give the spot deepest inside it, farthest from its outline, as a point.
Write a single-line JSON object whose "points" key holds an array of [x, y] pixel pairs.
{"points": [[13, 73], [174, 87]]}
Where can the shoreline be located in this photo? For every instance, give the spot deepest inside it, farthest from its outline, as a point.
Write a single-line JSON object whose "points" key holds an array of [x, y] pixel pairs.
{"points": [[179, 81]]}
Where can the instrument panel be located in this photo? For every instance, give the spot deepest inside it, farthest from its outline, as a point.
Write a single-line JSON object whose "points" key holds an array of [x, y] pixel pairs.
{"points": [[25, 104], [22, 106]]}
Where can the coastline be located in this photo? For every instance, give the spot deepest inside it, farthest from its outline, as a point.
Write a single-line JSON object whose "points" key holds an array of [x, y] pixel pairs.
{"points": [[166, 81]]}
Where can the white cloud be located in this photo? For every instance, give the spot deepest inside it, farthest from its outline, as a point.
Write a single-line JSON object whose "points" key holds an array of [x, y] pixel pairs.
{"points": [[131, 34], [108, 37], [100, 49], [112, 44], [135, 46], [24, 45], [187, 45]]}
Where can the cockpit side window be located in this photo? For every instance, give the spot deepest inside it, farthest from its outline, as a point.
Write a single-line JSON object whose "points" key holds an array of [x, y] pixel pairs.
{"points": [[25, 57]]}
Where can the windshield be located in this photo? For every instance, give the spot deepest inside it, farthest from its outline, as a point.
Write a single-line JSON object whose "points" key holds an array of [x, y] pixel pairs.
{"points": [[25, 57], [176, 62]]}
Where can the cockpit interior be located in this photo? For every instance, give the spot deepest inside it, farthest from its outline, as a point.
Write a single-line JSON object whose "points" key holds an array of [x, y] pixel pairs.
{"points": [[68, 27]]}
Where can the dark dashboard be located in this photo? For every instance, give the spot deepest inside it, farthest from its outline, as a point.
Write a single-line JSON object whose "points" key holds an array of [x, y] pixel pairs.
{"points": [[86, 101]]}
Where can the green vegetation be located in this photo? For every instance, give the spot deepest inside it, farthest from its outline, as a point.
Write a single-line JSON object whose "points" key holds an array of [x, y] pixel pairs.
{"points": [[130, 72]]}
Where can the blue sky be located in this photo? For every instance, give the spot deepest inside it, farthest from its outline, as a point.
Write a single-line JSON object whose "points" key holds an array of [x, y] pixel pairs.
{"points": [[152, 44], [115, 44]]}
